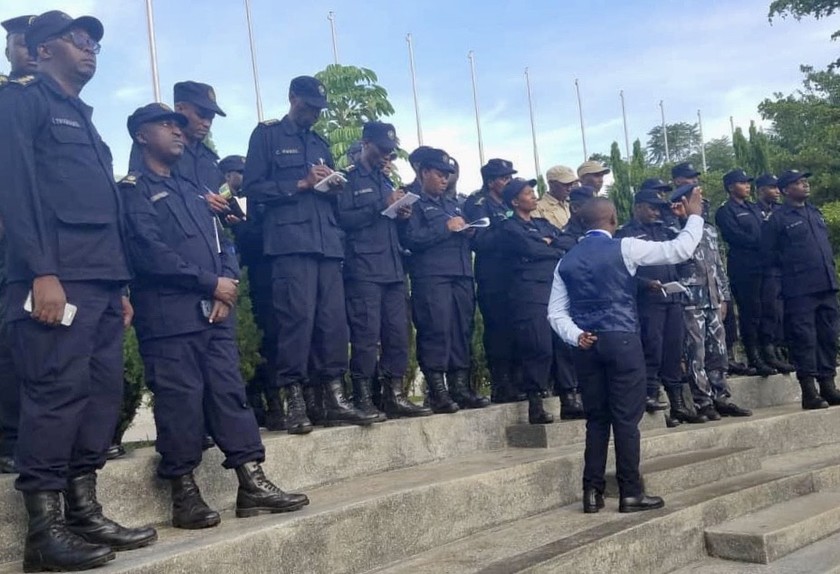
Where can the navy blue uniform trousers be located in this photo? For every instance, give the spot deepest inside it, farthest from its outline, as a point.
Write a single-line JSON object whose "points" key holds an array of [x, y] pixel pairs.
{"points": [[377, 314], [443, 309], [259, 283], [612, 385], [71, 385], [9, 390], [663, 331], [811, 328], [196, 382]]}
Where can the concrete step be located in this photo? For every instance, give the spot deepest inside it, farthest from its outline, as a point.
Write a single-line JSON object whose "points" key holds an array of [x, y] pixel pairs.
{"points": [[773, 532], [563, 433]]}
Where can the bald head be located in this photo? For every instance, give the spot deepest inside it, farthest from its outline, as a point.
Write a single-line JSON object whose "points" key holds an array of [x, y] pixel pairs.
{"points": [[598, 213]]}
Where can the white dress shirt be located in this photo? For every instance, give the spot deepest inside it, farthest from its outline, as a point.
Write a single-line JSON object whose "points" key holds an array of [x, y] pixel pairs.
{"points": [[635, 253]]}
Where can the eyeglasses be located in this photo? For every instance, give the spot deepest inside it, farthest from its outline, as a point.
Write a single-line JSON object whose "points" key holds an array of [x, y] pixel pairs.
{"points": [[82, 41]]}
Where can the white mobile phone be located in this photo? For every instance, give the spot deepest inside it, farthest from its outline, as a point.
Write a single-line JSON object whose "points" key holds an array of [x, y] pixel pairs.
{"points": [[69, 310]]}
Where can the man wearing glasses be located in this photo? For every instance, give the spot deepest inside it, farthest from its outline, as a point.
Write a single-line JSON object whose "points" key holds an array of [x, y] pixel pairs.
{"points": [[62, 212]]}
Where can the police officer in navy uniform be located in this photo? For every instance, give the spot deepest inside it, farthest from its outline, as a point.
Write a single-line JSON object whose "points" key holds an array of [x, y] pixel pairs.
{"points": [[531, 245], [285, 161], [574, 229], [62, 214], [492, 277], [21, 63], [442, 296], [771, 329], [739, 221], [184, 293], [374, 278], [795, 239]]}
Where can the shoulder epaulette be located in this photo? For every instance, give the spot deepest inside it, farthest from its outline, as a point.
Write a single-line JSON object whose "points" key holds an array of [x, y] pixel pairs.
{"points": [[130, 180], [480, 201], [270, 122], [24, 80], [4, 80], [350, 168]]}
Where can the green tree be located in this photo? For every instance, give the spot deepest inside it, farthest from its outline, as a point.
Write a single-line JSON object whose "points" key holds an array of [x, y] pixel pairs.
{"points": [[741, 147], [353, 98], [621, 191], [683, 141], [719, 155], [799, 9]]}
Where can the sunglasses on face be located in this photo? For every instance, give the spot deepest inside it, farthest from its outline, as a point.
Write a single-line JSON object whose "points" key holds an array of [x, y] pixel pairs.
{"points": [[82, 41]]}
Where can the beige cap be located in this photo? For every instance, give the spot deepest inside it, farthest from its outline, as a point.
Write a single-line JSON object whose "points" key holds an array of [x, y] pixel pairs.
{"points": [[562, 174], [592, 167]]}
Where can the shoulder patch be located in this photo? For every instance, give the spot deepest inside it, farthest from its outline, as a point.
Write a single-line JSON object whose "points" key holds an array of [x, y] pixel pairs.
{"points": [[270, 122], [480, 201], [25, 80], [130, 180]]}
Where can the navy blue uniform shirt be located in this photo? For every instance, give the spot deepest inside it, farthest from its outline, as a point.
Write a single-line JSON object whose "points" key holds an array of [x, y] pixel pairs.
{"points": [[178, 252], [295, 221], [200, 165], [532, 260], [796, 240], [58, 198], [740, 226], [373, 251], [491, 266], [436, 251]]}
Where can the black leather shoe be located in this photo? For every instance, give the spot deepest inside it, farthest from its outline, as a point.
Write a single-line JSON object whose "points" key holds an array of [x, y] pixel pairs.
{"points": [[828, 391], [439, 400], [275, 416], [811, 399], [84, 518], [640, 503], [7, 465], [729, 409], [337, 411], [396, 404], [571, 407], [593, 501], [363, 397], [258, 495], [115, 451], [680, 411], [537, 414], [461, 392], [297, 422], [652, 405], [709, 412], [189, 511]]}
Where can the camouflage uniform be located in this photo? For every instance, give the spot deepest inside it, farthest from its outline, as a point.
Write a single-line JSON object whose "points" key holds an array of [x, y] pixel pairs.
{"points": [[705, 338]]}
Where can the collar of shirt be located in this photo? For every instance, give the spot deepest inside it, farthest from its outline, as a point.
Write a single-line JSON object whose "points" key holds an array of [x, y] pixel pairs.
{"points": [[603, 232], [554, 202], [291, 128], [54, 87]]}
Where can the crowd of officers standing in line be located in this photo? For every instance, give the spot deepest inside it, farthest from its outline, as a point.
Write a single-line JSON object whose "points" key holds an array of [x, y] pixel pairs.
{"points": [[328, 274]]}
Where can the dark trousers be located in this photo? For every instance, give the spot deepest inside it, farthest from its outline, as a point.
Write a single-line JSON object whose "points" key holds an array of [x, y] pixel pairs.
{"points": [[259, 286], [71, 385], [9, 390], [378, 320], [563, 367], [662, 334], [612, 386], [196, 382], [746, 289], [534, 340], [494, 304], [310, 315], [811, 327], [771, 330], [443, 308], [730, 325]]}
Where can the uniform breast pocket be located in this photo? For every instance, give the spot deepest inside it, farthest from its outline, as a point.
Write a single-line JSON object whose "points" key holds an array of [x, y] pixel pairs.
{"points": [[290, 165], [797, 233], [65, 134], [175, 211]]}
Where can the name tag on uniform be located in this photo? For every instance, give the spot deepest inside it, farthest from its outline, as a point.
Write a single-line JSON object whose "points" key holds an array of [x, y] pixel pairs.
{"points": [[363, 191], [794, 224], [158, 196], [66, 122], [742, 214], [429, 208], [288, 151]]}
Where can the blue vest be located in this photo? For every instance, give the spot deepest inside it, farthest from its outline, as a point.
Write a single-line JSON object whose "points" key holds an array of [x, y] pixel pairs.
{"points": [[602, 293]]}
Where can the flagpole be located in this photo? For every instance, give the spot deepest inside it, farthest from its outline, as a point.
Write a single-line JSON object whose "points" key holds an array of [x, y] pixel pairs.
{"points": [[331, 18], [665, 131], [150, 24], [533, 126], [580, 113], [410, 42], [254, 60], [702, 141], [471, 58], [626, 132]]}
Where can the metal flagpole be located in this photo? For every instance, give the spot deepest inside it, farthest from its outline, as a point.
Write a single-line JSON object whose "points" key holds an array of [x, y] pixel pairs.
{"points": [[331, 18], [533, 126], [410, 42], [254, 60], [732, 128], [580, 113], [702, 141], [626, 133], [471, 58], [665, 132], [150, 22]]}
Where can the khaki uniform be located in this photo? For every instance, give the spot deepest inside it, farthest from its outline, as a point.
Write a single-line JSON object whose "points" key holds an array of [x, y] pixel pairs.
{"points": [[556, 212]]}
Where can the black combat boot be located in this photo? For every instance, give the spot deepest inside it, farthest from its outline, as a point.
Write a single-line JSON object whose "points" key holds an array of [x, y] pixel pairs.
{"points": [[737, 368], [537, 414], [337, 411], [189, 511], [207, 442], [828, 391], [313, 396], [396, 404], [785, 366], [768, 353], [679, 410], [50, 545], [363, 400], [258, 495], [502, 389], [297, 422], [653, 403], [755, 361], [571, 407], [115, 451], [275, 417], [7, 465], [461, 391], [439, 399], [84, 518], [811, 400], [710, 412]]}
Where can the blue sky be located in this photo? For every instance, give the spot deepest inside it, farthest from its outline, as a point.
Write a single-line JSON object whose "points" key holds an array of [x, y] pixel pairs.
{"points": [[722, 57]]}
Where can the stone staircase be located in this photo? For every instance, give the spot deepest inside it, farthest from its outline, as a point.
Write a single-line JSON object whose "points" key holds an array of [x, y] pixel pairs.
{"points": [[480, 491]]}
